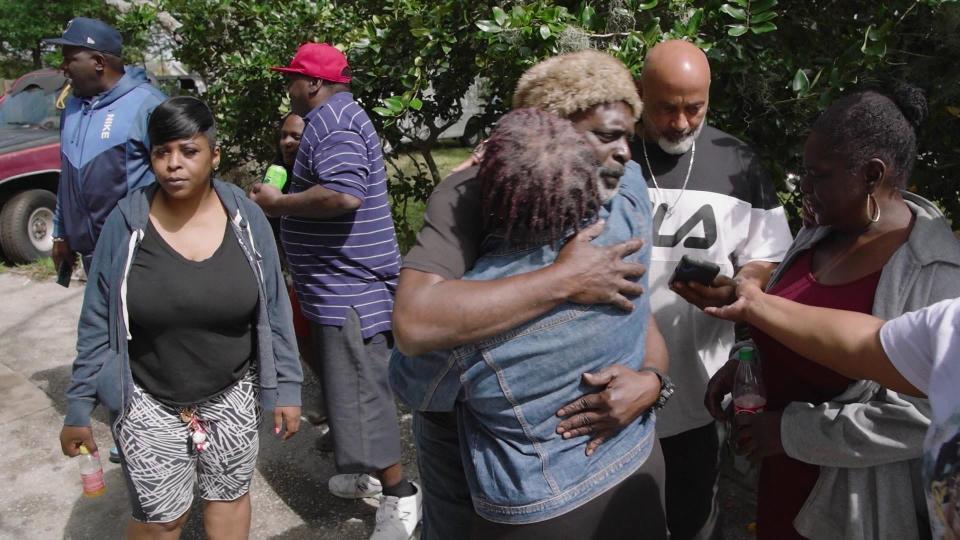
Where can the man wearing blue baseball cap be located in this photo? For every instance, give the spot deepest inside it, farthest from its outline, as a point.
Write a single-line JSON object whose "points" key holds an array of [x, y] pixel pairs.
{"points": [[104, 152]]}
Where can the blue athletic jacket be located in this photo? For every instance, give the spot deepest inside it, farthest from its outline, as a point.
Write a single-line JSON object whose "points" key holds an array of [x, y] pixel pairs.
{"points": [[101, 371], [104, 154]]}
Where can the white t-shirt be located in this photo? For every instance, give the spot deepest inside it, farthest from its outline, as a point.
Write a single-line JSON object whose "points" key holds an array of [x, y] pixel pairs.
{"points": [[924, 346], [727, 213]]}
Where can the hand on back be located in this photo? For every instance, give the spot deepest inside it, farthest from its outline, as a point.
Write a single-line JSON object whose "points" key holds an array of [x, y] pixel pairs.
{"points": [[599, 274]]}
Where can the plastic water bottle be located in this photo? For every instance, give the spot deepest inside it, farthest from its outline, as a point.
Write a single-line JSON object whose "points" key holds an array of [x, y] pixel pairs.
{"points": [[91, 473], [276, 176], [749, 395]]}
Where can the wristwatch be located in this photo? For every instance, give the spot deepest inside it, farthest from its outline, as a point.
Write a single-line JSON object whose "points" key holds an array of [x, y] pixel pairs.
{"points": [[667, 388]]}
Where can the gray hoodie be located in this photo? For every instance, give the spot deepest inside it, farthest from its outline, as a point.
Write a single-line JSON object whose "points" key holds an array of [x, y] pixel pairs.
{"points": [[868, 440], [101, 371]]}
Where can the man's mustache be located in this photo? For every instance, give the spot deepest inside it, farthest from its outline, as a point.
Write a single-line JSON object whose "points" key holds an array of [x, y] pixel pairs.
{"points": [[612, 171]]}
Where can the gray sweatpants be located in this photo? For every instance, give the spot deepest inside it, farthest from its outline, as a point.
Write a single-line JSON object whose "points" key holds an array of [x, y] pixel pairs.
{"points": [[360, 405]]}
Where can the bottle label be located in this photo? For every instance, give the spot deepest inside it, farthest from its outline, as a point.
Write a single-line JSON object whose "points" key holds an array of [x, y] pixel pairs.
{"points": [[93, 483], [749, 404]]}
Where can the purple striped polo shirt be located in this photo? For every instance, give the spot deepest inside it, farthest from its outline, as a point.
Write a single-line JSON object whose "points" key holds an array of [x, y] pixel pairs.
{"points": [[351, 261]]}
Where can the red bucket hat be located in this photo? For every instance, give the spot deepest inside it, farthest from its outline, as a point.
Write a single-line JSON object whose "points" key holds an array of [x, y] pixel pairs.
{"points": [[320, 61]]}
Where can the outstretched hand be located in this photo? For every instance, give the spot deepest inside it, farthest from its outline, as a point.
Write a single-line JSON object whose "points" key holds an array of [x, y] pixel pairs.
{"points": [[626, 395], [721, 292], [748, 297], [598, 273]]}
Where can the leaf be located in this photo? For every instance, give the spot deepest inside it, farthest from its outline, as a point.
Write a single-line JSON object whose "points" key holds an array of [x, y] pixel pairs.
{"points": [[416, 104], [763, 28], [760, 6], [816, 79], [694, 23], [500, 15], [649, 5], [586, 16], [763, 17], [736, 13], [446, 48], [955, 111], [736, 30], [801, 83], [544, 31], [741, 3], [489, 27], [866, 39], [395, 104], [420, 32], [384, 112], [652, 34]]}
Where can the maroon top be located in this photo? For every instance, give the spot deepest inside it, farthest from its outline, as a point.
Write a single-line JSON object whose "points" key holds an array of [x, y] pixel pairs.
{"points": [[785, 483]]}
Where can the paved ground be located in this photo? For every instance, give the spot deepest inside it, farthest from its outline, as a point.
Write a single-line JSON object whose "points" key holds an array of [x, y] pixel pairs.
{"points": [[42, 488]]}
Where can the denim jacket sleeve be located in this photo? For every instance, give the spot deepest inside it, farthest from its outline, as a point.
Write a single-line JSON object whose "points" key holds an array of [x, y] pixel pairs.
{"points": [[286, 355], [93, 330]]}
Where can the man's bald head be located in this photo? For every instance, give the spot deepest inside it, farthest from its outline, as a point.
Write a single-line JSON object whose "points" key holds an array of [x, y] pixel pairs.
{"points": [[675, 87]]}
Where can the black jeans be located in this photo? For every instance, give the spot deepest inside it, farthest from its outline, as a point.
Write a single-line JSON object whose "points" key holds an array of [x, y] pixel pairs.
{"points": [[693, 469]]}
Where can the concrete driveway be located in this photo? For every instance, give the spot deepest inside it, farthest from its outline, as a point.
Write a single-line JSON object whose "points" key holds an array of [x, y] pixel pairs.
{"points": [[290, 499], [42, 497]]}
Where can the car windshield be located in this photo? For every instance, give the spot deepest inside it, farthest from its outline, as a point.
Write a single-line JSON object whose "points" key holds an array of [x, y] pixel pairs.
{"points": [[31, 107]]}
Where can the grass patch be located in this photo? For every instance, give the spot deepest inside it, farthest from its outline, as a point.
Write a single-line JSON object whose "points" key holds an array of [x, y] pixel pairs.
{"points": [[39, 270], [446, 159]]}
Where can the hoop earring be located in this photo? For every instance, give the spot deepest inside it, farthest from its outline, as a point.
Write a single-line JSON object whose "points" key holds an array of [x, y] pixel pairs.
{"points": [[873, 218]]}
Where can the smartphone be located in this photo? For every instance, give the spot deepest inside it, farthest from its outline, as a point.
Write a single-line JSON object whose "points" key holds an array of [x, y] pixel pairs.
{"points": [[64, 273], [693, 269]]}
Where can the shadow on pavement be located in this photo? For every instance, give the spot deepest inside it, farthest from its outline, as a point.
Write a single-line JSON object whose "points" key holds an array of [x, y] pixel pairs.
{"points": [[293, 469]]}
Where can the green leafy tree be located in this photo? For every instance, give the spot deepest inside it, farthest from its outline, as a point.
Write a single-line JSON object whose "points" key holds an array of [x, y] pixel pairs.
{"points": [[26, 22], [775, 66]]}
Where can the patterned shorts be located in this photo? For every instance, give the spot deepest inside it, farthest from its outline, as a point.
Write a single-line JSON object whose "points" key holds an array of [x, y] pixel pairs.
{"points": [[162, 467]]}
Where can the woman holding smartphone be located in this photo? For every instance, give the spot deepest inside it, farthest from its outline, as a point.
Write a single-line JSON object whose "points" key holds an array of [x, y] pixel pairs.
{"points": [[184, 335]]}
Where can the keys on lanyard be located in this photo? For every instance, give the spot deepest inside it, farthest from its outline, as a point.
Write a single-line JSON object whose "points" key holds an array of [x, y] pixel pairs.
{"points": [[198, 440]]}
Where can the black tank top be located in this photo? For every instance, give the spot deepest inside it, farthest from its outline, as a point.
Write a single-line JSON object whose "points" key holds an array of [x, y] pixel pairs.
{"points": [[191, 321]]}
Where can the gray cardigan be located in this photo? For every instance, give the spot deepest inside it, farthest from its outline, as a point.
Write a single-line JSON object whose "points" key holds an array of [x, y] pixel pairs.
{"points": [[868, 440]]}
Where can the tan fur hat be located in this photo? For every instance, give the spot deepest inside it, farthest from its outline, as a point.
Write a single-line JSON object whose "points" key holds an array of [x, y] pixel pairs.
{"points": [[574, 82]]}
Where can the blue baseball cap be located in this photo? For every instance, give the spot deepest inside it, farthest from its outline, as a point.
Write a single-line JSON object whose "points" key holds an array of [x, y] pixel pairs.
{"points": [[90, 34]]}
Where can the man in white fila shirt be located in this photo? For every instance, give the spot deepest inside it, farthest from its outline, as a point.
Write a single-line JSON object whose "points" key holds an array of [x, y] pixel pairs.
{"points": [[712, 201]]}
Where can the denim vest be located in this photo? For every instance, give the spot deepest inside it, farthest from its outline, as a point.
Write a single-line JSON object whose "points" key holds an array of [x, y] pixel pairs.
{"points": [[509, 387]]}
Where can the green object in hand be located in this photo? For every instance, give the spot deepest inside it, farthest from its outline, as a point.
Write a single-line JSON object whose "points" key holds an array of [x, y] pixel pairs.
{"points": [[276, 176]]}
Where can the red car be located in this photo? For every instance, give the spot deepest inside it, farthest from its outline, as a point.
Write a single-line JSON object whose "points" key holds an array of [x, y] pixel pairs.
{"points": [[29, 164], [30, 158]]}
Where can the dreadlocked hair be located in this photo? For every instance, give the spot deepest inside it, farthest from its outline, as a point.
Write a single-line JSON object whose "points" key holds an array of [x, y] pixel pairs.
{"points": [[870, 124], [538, 178]]}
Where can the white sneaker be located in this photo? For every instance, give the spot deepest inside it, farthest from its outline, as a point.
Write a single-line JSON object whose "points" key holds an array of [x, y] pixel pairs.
{"points": [[397, 517], [354, 486]]}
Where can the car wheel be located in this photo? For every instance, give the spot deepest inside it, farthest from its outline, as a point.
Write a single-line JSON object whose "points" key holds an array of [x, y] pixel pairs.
{"points": [[472, 132], [26, 226]]}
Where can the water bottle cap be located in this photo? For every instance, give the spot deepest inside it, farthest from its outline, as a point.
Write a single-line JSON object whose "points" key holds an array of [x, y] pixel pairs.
{"points": [[746, 354], [84, 451]]}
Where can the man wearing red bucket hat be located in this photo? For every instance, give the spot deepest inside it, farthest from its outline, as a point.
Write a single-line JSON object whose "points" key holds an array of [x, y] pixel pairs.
{"points": [[338, 234]]}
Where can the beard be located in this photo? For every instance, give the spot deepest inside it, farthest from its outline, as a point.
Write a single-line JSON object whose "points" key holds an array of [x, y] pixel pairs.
{"points": [[683, 144], [608, 182]]}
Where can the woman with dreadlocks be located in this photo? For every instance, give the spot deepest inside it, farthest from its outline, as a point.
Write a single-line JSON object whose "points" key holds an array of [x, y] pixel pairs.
{"points": [[541, 181]]}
